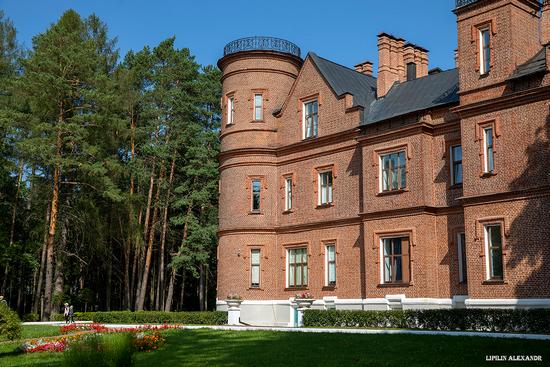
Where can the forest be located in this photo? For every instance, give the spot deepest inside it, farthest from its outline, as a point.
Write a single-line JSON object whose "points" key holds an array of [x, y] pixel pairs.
{"points": [[108, 172]]}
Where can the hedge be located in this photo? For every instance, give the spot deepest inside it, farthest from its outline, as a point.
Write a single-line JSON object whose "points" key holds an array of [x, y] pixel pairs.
{"points": [[493, 320], [150, 317], [10, 325]]}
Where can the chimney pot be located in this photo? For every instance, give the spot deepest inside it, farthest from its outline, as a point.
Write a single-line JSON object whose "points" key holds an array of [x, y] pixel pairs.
{"points": [[364, 68]]}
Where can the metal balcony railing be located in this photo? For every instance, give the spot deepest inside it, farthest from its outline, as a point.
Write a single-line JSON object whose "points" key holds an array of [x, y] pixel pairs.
{"points": [[461, 3], [261, 43]]}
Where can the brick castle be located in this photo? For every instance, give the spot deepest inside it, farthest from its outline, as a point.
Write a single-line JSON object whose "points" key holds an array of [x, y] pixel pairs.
{"points": [[416, 188]]}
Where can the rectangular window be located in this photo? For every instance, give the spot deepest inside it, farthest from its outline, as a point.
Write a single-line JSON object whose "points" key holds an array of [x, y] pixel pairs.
{"points": [[395, 263], [288, 193], [310, 119], [394, 171], [493, 244], [256, 192], [230, 109], [330, 257], [255, 268], [489, 155], [258, 107], [462, 268], [456, 165], [297, 267], [411, 71], [325, 188], [484, 51]]}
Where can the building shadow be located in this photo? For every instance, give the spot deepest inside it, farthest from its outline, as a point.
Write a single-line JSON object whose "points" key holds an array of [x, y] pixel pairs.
{"points": [[528, 236]]}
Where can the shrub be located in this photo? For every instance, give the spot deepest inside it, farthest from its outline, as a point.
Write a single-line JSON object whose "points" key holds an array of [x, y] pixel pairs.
{"points": [[29, 317], [153, 317], [94, 350], [10, 325], [496, 320]]}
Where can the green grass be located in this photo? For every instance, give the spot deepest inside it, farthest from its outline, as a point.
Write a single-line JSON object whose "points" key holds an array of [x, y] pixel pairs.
{"points": [[9, 358], [264, 348]]}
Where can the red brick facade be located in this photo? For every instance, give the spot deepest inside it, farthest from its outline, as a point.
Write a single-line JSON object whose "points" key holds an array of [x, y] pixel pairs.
{"points": [[429, 211]]}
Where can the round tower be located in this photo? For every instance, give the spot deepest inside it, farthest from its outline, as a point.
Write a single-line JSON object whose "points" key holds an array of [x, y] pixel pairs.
{"points": [[257, 75]]}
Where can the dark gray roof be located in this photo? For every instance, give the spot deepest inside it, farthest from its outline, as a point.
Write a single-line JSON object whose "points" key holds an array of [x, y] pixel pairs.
{"points": [[535, 65], [344, 80], [403, 98], [415, 95]]}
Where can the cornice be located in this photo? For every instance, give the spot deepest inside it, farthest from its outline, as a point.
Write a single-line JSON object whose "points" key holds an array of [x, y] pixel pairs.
{"points": [[497, 197], [503, 102], [406, 212]]}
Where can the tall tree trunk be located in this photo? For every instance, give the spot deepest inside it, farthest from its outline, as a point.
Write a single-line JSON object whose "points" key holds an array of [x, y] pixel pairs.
{"points": [[202, 287], [59, 262], [160, 282], [149, 251], [52, 227], [128, 244], [142, 259], [38, 288], [168, 303]]}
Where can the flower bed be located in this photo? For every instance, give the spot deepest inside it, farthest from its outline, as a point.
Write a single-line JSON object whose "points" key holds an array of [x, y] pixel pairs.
{"points": [[145, 338]]}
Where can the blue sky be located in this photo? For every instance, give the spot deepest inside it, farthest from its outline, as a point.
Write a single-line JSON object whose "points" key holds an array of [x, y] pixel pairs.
{"points": [[341, 30]]}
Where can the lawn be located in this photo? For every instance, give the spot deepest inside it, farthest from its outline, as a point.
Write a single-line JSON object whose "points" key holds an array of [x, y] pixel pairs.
{"points": [[264, 348]]}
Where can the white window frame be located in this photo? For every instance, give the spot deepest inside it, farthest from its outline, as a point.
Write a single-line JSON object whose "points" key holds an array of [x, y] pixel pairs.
{"points": [[252, 265], [485, 147], [327, 268], [252, 195], [288, 193], [381, 170], [315, 133], [461, 265], [330, 189], [482, 68], [452, 162], [230, 110], [488, 267], [259, 107], [287, 275]]}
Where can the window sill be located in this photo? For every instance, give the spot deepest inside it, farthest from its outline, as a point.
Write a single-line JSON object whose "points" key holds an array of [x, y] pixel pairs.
{"points": [[255, 212], [487, 174], [393, 285], [455, 186], [257, 121], [255, 289], [286, 212], [229, 124], [310, 138], [494, 282], [297, 289], [329, 288], [392, 192], [324, 206]]}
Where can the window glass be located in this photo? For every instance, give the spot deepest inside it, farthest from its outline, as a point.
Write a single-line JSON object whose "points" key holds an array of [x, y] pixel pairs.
{"points": [[230, 110], [256, 187], [395, 259], [394, 171], [297, 267], [310, 119], [462, 267], [494, 243], [255, 267], [485, 51], [489, 151], [456, 157], [288, 193], [258, 107], [325, 187], [331, 264]]}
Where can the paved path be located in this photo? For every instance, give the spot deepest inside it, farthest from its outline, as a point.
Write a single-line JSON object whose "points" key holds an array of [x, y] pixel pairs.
{"points": [[329, 330]]}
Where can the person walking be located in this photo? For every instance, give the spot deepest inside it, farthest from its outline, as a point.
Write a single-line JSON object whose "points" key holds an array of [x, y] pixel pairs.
{"points": [[66, 313], [71, 314]]}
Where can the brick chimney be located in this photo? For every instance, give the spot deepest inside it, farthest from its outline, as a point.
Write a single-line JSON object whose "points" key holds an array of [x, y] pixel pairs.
{"points": [[545, 22], [364, 68], [388, 72], [398, 62]]}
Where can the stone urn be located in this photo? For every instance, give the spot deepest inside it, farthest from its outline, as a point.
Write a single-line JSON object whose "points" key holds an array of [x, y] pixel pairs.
{"points": [[304, 302], [234, 303]]}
